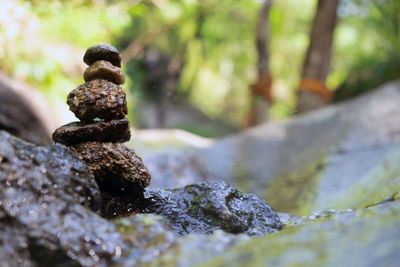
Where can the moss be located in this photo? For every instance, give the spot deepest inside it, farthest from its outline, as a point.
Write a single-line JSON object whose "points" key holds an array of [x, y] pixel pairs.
{"points": [[292, 193], [357, 239], [242, 177], [380, 184]]}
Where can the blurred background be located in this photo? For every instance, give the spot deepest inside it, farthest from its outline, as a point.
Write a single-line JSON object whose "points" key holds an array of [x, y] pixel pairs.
{"points": [[210, 67]]}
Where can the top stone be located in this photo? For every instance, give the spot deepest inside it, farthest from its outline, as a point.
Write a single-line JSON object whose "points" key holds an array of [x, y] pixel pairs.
{"points": [[102, 52]]}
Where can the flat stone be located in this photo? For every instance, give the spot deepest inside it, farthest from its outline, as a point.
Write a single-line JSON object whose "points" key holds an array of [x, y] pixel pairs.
{"points": [[116, 168], [104, 70], [102, 131], [102, 52], [98, 99]]}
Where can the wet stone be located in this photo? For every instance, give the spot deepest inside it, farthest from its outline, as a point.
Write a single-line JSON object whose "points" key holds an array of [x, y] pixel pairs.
{"points": [[206, 207], [98, 99], [102, 52], [116, 168], [45, 196], [104, 70], [102, 131]]}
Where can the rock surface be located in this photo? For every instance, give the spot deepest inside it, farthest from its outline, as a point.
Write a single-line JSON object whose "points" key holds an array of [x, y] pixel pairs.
{"points": [[207, 207], [98, 99], [367, 237], [103, 131], [24, 112], [117, 168], [45, 194], [333, 158], [341, 163], [151, 241]]}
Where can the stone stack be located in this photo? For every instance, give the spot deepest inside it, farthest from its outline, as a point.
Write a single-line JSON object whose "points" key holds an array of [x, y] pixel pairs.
{"points": [[100, 105]]}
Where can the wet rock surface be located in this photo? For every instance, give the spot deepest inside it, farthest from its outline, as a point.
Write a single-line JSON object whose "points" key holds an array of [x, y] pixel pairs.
{"points": [[45, 196], [102, 52], [103, 131], [117, 169], [104, 70], [206, 207], [367, 237], [333, 158], [98, 98], [155, 243]]}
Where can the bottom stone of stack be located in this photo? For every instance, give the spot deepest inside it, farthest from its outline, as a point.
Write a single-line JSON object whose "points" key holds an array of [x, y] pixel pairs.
{"points": [[116, 168]]}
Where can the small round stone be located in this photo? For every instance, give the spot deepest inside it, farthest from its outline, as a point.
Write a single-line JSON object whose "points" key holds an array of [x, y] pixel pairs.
{"points": [[103, 131], [117, 168], [102, 52], [104, 70], [98, 98]]}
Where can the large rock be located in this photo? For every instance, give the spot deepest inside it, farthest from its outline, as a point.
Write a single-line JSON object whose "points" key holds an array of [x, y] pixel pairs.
{"points": [[24, 112], [367, 237], [150, 241], [48, 200], [343, 156], [207, 207], [45, 196]]}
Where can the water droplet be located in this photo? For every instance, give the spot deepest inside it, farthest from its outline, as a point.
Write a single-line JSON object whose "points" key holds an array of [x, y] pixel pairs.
{"points": [[118, 251], [8, 203], [33, 213]]}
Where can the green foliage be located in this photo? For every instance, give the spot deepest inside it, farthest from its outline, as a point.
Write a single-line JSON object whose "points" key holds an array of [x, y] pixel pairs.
{"points": [[215, 39], [42, 42], [371, 32]]}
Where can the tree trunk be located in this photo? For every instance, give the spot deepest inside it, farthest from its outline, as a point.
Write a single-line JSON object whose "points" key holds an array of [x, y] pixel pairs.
{"points": [[313, 92], [261, 90]]}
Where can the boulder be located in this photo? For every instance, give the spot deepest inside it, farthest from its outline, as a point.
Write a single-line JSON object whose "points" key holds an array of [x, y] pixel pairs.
{"points": [[46, 195], [342, 156], [367, 237], [207, 207], [24, 112]]}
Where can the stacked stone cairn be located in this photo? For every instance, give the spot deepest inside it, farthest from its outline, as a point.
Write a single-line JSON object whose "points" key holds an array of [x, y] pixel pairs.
{"points": [[100, 105]]}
